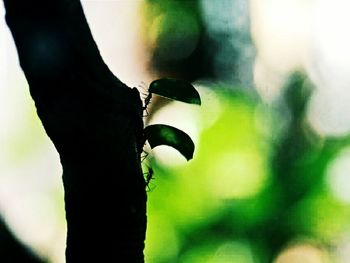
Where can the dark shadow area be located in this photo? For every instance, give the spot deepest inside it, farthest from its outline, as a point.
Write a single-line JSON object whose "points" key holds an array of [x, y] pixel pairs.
{"points": [[12, 250]]}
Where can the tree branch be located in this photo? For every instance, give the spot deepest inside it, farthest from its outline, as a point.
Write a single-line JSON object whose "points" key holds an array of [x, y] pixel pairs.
{"points": [[95, 123], [13, 250]]}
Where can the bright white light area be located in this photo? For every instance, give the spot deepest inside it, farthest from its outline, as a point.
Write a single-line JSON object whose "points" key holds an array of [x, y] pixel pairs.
{"points": [[329, 67], [116, 28], [31, 202], [331, 37], [329, 110], [305, 253], [280, 30], [181, 116], [3, 70], [310, 36], [338, 176], [12, 94], [342, 251]]}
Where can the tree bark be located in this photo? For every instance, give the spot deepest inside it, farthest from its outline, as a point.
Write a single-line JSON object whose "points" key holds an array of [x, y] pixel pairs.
{"points": [[95, 122]]}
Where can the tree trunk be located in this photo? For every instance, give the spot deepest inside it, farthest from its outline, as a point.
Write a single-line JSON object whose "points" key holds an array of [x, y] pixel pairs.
{"points": [[95, 123]]}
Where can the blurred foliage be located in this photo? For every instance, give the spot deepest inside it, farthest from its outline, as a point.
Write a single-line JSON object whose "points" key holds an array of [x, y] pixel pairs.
{"points": [[194, 39], [261, 187], [173, 32], [257, 184]]}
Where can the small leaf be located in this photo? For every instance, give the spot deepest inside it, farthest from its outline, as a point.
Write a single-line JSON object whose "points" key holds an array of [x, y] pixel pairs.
{"points": [[175, 89], [160, 134]]}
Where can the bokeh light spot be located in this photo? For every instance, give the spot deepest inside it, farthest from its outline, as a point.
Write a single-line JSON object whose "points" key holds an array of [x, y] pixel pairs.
{"points": [[305, 253], [236, 174], [338, 176]]}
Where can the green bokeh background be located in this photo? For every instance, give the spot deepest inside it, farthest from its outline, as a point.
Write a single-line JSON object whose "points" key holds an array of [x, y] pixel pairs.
{"points": [[259, 183]]}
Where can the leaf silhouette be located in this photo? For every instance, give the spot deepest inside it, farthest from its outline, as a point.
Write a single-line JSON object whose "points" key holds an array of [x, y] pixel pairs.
{"points": [[175, 89], [160, 134]]}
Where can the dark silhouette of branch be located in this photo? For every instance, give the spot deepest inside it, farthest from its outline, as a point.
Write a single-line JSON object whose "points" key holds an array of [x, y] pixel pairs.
{"points": [[12, 250], [95, 123]]}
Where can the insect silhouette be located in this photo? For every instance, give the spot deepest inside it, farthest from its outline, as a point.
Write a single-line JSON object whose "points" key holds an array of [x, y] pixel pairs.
{"points": [[147, 97], [147, 100], [144, 156], [148, 177]]}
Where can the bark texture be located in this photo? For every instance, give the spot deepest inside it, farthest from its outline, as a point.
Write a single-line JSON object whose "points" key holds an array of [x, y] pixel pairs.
{"points": [[95, 123]]}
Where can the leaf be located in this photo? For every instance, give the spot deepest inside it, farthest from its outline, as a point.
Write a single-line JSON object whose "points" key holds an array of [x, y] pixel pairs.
{"points": [[160, 134], [175, 89]]}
